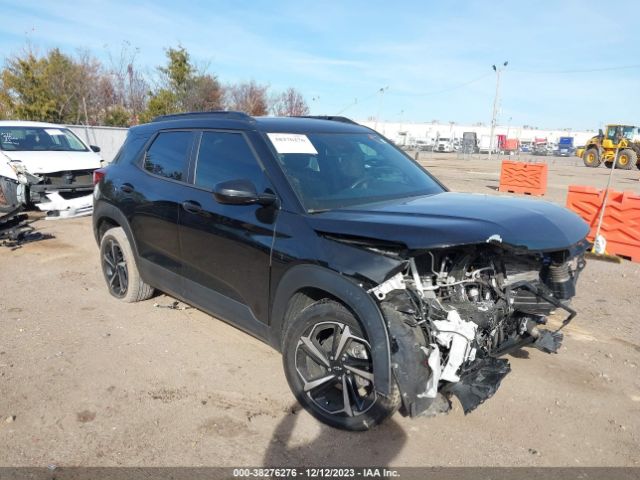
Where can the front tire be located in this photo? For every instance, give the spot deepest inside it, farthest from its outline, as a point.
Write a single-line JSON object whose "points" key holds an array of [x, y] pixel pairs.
{"points": [[327, 362], [627, 159], [591, 158], [119, 268]]}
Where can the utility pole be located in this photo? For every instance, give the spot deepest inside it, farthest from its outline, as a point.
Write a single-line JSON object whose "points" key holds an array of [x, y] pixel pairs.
{"points": [[496, 102]]}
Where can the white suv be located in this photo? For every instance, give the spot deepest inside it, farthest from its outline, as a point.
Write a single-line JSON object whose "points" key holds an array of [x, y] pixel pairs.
{"points": [[48, 166]]}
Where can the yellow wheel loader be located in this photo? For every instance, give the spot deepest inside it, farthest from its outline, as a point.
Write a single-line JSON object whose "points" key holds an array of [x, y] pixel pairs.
{"points": [[625, 139]]}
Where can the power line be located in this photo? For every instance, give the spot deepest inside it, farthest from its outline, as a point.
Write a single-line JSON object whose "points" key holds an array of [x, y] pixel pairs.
{"points": [[582, 70], [356, 101], [437, 92]]}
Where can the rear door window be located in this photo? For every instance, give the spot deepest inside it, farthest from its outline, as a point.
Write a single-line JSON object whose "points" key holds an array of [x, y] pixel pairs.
{"points": [[226, 156], [168, 154]]}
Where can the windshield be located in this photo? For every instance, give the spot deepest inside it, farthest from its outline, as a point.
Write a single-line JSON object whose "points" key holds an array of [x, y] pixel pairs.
{"points": [[626, 132], [341, 170], [36, 139]]}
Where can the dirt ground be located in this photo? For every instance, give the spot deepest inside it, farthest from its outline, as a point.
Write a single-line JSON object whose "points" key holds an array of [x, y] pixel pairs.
{"points": [[87, 380]]}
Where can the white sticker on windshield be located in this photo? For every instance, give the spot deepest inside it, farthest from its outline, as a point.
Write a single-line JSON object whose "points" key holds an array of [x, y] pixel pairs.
{"points": [[53, 131], [292, 143]]}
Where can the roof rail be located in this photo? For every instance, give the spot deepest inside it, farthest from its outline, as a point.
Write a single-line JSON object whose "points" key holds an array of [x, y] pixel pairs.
{"points": [[333, 118], [231, 115]]}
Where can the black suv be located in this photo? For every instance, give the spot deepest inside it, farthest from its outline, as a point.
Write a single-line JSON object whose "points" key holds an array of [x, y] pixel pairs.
{"points": [[382, 289]]}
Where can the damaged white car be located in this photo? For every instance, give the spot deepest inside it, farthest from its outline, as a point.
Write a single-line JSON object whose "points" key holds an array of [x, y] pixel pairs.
{"points": [[47, 166]]}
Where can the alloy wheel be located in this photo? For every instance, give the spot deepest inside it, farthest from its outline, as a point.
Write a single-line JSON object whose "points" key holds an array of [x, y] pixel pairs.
{"points": [[334, 364], [115, 270]]}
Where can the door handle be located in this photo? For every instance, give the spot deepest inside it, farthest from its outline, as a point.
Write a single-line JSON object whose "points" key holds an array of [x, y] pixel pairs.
{"points": [[192, 207], [127, 188]]}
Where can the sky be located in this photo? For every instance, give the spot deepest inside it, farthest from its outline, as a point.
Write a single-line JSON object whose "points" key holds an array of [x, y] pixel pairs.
{"points": [[571, 64]]}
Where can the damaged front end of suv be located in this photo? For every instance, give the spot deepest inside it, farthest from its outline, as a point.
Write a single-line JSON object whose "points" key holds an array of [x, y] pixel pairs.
{"points": [[453, 307], [453, 312]]}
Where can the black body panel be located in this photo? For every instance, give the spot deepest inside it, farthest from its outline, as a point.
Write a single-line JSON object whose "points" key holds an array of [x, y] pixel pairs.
{"points": [[244, 263], [448, 219]]}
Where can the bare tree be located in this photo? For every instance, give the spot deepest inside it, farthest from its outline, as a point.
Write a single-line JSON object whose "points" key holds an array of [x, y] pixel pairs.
{"points": [[290, 103], [130, 87], [92, 88], [248, 97]]}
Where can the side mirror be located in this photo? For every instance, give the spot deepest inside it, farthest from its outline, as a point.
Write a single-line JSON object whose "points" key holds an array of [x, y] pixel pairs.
{"points": [[600, 132], [95, 148], [241, 192]]}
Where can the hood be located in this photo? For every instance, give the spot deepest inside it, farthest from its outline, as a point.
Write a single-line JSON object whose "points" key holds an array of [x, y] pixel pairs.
{"points": [[51, 161], [448, 219]]}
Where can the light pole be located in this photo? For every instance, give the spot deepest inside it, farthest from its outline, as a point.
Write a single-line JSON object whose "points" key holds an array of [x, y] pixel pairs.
{"points": [[381, 92], [400, 131], [313, 102], [496, 102]]}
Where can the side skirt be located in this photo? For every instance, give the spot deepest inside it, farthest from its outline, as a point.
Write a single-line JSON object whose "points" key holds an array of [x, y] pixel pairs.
{"points": [[207, 300]]}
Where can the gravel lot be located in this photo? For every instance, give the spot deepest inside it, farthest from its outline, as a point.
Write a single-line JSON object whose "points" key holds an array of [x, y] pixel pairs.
{"points": [[86, 380]]}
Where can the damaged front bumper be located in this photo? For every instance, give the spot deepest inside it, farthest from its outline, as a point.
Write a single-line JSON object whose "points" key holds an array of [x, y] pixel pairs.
{"points": [[452, 315], [58, 207], [479, 382], [66, 194]]}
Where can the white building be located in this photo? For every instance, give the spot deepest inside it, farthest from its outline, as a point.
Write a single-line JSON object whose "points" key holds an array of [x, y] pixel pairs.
{"points": [[409, 133]]}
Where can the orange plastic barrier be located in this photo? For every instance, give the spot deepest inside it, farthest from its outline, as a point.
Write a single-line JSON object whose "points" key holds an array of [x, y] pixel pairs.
{"points": [[523, 177], [621, 221]]}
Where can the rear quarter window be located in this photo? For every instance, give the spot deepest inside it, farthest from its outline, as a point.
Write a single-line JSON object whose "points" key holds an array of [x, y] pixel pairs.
{"points": [[167, 156]]}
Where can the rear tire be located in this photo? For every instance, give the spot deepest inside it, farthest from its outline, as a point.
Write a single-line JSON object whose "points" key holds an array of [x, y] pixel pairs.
{"points": [[120, 269], [591, 158], [627, 159], [327, 362]]}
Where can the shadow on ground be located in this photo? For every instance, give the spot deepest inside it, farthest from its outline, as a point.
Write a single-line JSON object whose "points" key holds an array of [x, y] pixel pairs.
{"points": [[377, 447]]}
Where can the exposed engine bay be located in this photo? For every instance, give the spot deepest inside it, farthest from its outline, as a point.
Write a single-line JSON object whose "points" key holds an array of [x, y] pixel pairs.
{"points": [[453, 312]]}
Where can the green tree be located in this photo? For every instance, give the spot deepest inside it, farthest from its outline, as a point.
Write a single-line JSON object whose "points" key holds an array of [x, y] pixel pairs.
{"points": [[62, 77], [179, 72], [117, 116], [161, 102], [24, 88], [182, 88], [54, 88]]}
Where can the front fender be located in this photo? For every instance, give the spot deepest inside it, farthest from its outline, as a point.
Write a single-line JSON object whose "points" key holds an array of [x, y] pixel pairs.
{"points": [[349, 292]]}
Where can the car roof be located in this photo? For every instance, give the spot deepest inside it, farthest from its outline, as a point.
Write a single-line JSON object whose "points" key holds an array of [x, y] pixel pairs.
{"points": [[309, 125], [26, 123], [241, 121]]}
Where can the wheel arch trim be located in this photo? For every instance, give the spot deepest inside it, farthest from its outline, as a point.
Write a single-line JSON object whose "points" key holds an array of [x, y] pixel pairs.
{"points": [[106, 211], [352, 295]]}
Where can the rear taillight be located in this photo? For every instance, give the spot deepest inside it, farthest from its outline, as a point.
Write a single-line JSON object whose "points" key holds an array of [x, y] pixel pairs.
{"points": [[98, 175]]}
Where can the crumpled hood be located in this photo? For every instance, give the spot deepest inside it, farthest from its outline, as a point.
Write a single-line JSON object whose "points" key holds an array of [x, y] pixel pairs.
{"points": [[51, 161], [448, 219]]}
